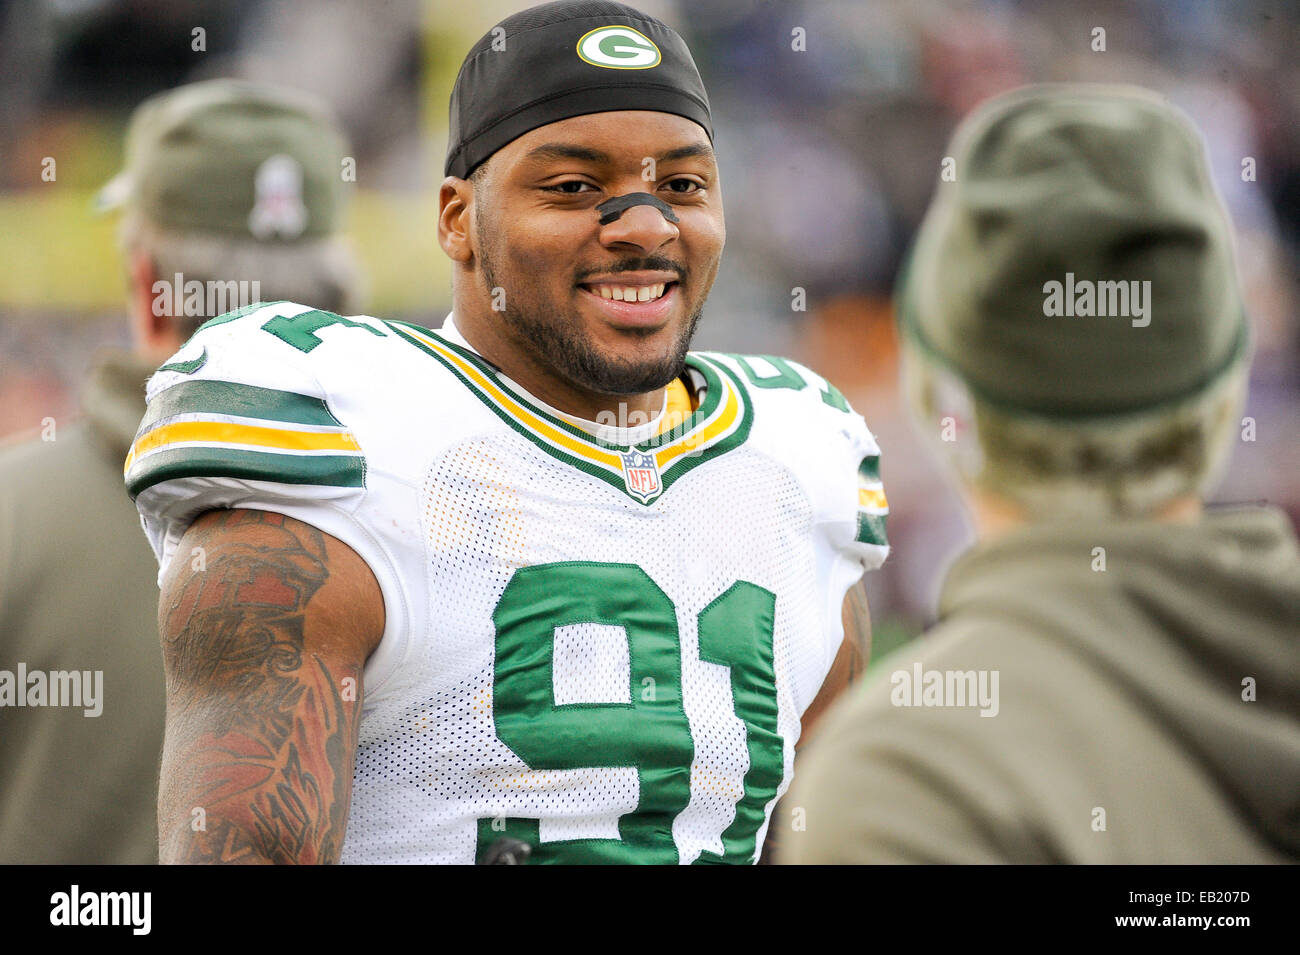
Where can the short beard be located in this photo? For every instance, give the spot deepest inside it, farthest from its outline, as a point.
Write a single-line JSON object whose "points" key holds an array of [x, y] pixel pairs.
{"points": [[557, 342]]}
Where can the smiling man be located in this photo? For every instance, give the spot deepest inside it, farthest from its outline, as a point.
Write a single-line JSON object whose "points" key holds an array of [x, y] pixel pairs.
{"points": [[590, 586]]}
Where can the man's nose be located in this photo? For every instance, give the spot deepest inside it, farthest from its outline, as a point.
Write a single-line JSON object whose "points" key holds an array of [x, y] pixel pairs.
{"points": [[642, 226]]}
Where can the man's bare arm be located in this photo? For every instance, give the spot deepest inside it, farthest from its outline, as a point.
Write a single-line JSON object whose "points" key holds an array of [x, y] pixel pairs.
{"points": [[266, 626], [849, 663]]}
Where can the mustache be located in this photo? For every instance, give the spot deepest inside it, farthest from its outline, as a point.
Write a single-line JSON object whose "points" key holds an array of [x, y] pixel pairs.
{"points": [[652, 263]]}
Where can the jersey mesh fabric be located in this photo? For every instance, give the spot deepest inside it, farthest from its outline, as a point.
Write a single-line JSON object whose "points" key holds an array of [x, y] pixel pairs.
{"points": [[430, 763]]}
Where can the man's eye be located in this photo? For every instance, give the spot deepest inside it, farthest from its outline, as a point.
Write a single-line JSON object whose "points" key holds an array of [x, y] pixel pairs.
{"points": [[683, 187], [570, 187]]}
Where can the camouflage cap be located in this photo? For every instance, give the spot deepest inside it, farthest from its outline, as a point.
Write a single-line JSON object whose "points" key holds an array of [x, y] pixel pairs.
{"points": [[233, 158], [1080, 262]]}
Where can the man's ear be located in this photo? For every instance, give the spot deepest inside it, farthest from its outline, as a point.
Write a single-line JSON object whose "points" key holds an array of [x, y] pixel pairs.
{"points": [[145, 319], [154, 332], [455, 209]]}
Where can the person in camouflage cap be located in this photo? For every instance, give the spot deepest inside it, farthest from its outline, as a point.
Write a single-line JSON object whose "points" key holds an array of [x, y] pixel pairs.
{"points": [[231, 182], [231, 191], [1072, 203], [1112, 676]]}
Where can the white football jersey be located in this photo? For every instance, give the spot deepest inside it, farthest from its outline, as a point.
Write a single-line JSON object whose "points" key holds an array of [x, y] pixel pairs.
{"points": [[599, 643]]}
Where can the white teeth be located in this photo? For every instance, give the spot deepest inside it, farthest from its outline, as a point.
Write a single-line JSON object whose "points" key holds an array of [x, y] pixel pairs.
{"points": [[638, 293]]}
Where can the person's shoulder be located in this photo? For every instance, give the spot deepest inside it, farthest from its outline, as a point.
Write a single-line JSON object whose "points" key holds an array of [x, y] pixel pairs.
{"points": [[59, 453], [772, 381], [978, 678], [262, 392], [915, 764], [280, 341], [800, 419], [792, 407]]}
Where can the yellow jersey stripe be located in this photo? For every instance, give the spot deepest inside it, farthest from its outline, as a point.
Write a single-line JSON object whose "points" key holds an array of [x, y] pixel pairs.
{"points": [[226, 432], [554, 435], [678, 408], [697, 441], [872, 497]]}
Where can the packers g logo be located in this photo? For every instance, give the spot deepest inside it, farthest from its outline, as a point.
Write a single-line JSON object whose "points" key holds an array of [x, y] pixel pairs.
{"points": [[618, 48]]}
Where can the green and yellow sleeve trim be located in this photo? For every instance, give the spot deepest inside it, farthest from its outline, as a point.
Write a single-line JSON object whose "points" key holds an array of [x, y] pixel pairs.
{"points": [[225, 429], [873, 508]]}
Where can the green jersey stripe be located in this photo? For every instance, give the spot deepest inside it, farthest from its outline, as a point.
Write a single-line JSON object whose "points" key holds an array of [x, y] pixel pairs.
{"points": [[871, 529], [336, 470], [869, 469], [739, 432], [230, 398]]}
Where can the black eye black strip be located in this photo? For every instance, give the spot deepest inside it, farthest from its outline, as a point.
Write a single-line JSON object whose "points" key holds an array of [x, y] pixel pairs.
{"points": [[611, 209]]}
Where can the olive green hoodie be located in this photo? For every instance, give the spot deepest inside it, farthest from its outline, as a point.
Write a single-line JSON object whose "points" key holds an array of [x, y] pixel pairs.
{"points": [[1146, 708], [79, 592]]}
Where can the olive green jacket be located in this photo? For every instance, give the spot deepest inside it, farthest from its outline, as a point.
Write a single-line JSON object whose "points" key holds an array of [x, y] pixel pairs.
{"points": [[78, 591], [1147, 708]]}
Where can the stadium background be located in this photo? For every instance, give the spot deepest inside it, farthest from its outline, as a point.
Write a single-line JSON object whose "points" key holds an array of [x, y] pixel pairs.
{"points": [[828, 159]]}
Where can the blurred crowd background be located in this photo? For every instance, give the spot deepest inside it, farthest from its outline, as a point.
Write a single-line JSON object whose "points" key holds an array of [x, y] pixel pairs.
{"points": [[829, 155]]}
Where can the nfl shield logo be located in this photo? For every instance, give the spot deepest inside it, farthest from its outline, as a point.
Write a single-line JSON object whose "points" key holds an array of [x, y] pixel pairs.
{"points": [[641, 474]]}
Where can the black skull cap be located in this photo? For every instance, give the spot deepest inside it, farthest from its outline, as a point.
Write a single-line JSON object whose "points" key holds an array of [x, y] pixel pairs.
{"points": [[570, 58]]}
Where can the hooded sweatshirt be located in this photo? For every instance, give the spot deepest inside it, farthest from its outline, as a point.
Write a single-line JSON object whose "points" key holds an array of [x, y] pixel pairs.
{"points": [[1135, 698]]}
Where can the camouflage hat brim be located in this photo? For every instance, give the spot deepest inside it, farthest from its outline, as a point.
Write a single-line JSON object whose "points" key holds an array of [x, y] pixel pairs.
{"points": [[115, 193]]}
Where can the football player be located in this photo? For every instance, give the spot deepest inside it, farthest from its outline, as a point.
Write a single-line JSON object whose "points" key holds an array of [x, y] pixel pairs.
{"points": [[589, 582]]}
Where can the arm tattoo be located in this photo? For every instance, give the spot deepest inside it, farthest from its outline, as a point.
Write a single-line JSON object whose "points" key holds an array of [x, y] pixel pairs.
{"points": [[260, 732]]}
